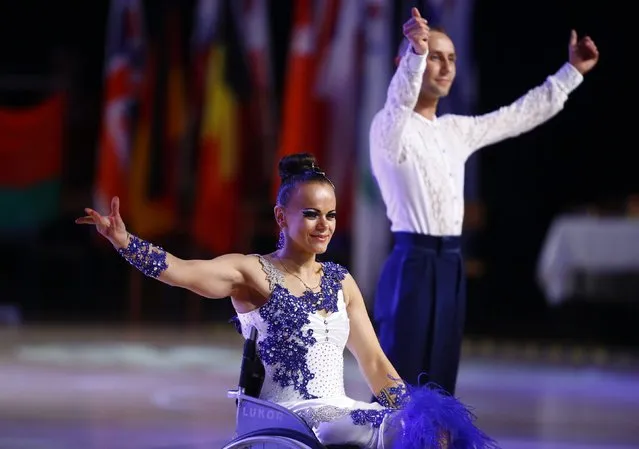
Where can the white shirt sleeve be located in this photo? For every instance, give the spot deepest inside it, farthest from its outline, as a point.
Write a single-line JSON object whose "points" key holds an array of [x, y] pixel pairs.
{"points": [[532, 109], [403, 92]]}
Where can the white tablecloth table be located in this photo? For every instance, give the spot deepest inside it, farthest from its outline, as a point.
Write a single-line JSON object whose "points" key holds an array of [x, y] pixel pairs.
{"points": [[586, 245]]}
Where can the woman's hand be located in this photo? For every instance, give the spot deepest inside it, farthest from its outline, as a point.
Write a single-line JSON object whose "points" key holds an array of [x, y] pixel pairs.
{"points": [[111, 226]]}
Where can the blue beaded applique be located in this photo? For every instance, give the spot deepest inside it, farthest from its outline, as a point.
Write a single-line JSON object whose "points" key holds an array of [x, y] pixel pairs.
{"points": [[375, 418], [285, 346], [146, 257]]}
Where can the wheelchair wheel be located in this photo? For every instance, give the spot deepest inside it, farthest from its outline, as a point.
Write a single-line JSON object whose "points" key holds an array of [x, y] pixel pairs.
{"points": [[272, 439]]}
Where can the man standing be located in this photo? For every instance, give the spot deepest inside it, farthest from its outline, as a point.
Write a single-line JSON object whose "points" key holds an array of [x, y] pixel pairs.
{"points": [[418, 161]]}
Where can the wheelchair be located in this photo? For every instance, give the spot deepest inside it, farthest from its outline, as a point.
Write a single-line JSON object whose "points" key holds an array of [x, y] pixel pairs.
{"points": [[263, 424]]}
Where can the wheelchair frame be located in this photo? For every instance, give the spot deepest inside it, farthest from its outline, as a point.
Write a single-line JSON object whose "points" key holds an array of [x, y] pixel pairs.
{"points": [[263, 424]]}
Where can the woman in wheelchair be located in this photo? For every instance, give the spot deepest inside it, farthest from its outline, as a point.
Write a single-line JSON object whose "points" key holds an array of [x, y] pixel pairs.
{"points": [[306, 312]]}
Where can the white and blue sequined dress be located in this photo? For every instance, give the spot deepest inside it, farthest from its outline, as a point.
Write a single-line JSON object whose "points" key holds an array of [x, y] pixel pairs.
{"points": [[301, 342]]}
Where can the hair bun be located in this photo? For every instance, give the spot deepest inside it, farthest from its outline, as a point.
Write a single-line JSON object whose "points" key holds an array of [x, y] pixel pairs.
{"points": [[296, 164]]}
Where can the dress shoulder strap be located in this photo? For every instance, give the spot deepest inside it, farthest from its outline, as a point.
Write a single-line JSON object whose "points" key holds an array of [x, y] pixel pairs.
{"points": [[273, 275]]}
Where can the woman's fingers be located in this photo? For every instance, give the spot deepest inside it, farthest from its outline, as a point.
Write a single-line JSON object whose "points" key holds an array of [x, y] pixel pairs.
{"points": [[85, 220]]}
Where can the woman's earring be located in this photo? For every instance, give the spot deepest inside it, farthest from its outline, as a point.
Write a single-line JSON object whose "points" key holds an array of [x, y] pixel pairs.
{"points": [[280, 240]]}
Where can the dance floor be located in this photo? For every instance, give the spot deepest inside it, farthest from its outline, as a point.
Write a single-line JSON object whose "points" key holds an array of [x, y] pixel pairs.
{"points": [[157, 388]]}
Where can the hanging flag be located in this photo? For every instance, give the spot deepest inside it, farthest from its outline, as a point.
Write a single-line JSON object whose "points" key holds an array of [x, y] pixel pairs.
{"points": [[338, 85], [304, 112], [260, 145], [161, 131], [124, 64], [371, 231], [31, 142], [215, 218]]}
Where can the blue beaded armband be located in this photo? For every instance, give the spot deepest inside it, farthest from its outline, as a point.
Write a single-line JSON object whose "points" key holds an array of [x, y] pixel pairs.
{"points": [[146, 257], [393, 397]]}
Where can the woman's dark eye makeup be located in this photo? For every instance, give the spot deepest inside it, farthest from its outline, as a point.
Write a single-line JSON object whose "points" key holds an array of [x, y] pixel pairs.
{"points": [[314, 214]]}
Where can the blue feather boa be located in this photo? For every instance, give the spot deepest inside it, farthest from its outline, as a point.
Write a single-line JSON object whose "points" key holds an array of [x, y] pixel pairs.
{"points": [[429, 414]]}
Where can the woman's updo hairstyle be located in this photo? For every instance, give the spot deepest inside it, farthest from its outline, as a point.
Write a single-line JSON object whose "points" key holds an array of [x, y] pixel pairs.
{"points": [[295, 169]]}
